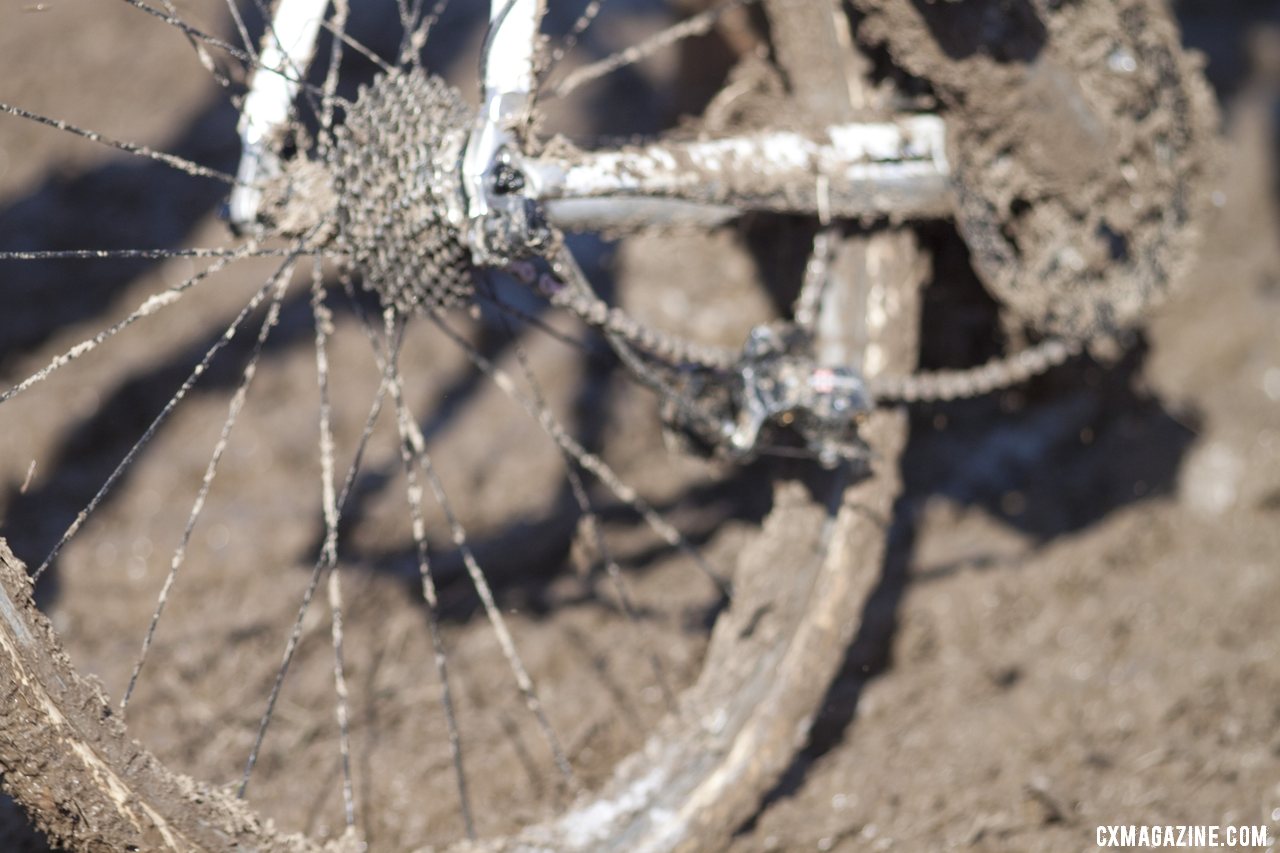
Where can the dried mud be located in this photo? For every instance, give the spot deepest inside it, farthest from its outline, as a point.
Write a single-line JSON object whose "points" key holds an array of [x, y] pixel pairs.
{"points": [[1075, 625]]}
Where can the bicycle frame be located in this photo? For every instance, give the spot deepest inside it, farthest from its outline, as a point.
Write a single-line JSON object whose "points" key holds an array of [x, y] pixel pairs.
{"points": [[896, 169], [287, 50]]}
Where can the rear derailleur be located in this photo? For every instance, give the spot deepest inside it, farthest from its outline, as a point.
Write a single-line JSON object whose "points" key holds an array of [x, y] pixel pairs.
{"points": [[777, 400]]}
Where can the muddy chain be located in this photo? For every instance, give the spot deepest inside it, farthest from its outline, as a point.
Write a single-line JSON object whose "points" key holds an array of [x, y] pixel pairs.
{"points": [[565, 290]]}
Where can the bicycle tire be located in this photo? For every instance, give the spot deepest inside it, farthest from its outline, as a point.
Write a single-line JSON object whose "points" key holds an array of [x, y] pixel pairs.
{"points": [[1084, 140]]}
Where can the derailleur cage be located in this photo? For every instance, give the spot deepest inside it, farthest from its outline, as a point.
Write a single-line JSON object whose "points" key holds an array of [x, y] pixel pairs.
{"points": [[778, 386]]}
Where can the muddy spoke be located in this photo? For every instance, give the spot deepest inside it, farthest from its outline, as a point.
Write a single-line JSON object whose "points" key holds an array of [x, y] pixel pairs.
{"points": [[172, 160], [152, 305], [248, 58], [590, 519], [508, 310], [323, 320], [202, 50], [234, 9], [233, 254], [186, 29], [696, 25], [329, 94], [321, 565], [589, 13], [211, 471], [430, 597], [589, 462], [227, 336], [409, 22], [423, 30], [359, 47], [413, 435]]}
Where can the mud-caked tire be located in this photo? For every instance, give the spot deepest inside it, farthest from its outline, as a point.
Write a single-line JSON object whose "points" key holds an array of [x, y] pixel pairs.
{"points": [[1081, 139]]}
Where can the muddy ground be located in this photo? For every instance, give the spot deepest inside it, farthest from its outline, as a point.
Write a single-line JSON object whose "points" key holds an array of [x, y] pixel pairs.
{"points": [[1076, 624]]}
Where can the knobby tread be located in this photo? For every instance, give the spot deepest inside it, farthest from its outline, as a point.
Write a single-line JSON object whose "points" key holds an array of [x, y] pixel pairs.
{"points": [[1083, 143], [66, 756]]}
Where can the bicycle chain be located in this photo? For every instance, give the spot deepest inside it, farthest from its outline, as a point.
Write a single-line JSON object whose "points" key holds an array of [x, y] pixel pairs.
{"points": [[612, 320], [734, 403], [922, 387], [997, 374]]}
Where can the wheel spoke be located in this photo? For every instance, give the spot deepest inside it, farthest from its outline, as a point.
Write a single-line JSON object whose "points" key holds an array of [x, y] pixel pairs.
{"points": [[508, 310], [285, 270], [329, 94], [211, 471], [418, 40], [695, 25], [590, 519], [171, 160], [431, 598], [175, 21], [152, 305], [589, 462], [202, 50], [412, 434], [233, 8], [322, 564], [323, 320], [234, 254], [359, 47], [589, 13], [409, 22]]}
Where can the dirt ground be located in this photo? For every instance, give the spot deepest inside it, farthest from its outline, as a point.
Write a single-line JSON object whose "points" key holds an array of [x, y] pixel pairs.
{"points": [[1075, 626]]}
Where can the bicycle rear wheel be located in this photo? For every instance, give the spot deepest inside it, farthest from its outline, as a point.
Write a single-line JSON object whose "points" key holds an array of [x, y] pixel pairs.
{"points": [[798, 586]]}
